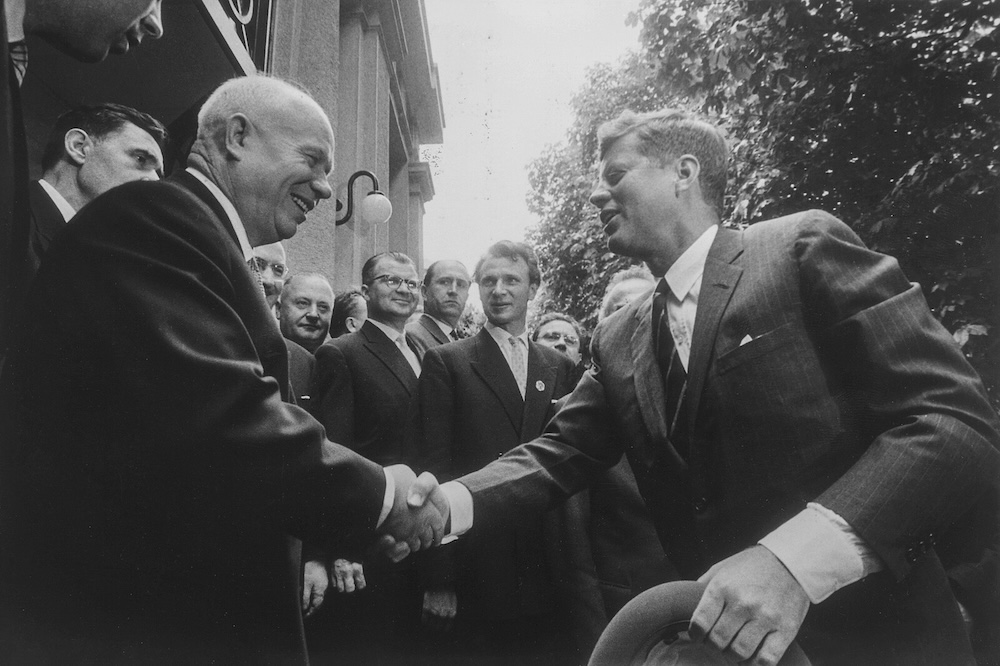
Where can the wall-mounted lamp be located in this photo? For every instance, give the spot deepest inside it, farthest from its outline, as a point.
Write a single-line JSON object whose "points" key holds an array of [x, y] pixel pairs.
{"points": [[374, 208]]}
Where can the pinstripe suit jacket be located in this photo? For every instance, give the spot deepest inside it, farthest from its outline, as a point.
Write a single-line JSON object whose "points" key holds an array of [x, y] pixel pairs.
{"points": [[849, 394]]}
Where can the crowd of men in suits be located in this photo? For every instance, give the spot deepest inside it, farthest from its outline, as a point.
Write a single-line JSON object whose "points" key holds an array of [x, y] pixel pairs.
{"points": [[806, 438]]}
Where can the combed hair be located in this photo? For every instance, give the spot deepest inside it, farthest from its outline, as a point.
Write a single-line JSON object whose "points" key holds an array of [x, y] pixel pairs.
{"points": [[368, 270], [98, 121], [669, 133], [298, 277], [429, 274], [506, 249]]}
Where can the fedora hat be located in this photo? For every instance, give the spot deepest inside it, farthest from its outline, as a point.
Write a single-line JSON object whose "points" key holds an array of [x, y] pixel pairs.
{"points": [[651, 629]]}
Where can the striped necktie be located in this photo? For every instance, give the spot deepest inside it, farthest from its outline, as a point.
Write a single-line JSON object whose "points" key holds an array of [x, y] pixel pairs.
{"points": [[671, 369]]}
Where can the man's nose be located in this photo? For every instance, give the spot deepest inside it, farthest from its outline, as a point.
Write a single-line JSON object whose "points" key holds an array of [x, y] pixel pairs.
{"points": [[152, 23], [321, 186], [599, 196]]}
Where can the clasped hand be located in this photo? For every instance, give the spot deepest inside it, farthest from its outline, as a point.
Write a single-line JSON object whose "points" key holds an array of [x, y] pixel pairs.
{"points": [[418, 516]]}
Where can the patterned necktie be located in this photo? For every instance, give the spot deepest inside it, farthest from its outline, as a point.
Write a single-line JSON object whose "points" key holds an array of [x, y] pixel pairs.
{"points": [[519, 363], [19, 59], [671, 369], [454, 334]]}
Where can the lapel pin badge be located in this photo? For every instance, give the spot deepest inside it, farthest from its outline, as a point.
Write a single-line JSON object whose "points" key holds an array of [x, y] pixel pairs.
{"points": [[540, 385]]}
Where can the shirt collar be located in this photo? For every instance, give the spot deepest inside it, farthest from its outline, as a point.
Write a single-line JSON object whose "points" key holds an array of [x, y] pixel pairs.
{"points": [[443, 326], [502, 336], [227, 205], [15, 20], [389, 331], [58, 199], [687, 270]]}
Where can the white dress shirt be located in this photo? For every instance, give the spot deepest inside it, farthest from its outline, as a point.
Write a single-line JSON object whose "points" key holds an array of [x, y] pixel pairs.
{"points": [[58, 199], [241, 236]]}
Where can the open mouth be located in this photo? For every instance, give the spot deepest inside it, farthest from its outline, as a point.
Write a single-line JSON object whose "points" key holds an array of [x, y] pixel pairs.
{"points": [[304, 204]]}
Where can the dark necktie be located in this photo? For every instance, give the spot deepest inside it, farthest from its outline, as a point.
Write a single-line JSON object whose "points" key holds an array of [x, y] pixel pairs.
{"points": [[19, 58], [671, 369]]}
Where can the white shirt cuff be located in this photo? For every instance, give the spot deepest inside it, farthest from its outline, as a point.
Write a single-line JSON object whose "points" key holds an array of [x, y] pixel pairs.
{"points": [[387, 499], [821, 551], [460, 501]]}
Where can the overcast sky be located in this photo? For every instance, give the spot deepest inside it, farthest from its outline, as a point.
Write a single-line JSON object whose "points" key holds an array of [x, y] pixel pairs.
{"points": [[508, 69]]}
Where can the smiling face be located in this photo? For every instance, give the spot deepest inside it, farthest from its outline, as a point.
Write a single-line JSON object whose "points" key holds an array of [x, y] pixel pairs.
{"points": [[283, 159], [89, 29], [118, 157], [447, 292], [306, 307], [391, 306], [505, 290]]}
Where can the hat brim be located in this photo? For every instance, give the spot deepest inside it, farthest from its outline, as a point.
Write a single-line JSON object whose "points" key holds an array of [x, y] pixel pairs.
{"points": [[659, 614]]}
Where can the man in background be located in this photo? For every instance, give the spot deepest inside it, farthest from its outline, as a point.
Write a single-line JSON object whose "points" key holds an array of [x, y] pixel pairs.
{"points": [[350, 309], [305, 308], [272, 264], [445, 291], [479, 398], [90, 150]]}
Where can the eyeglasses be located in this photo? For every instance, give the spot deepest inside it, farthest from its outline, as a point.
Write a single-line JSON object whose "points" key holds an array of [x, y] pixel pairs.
{"points": [[554, 336], [393, 282], [279, 270]]}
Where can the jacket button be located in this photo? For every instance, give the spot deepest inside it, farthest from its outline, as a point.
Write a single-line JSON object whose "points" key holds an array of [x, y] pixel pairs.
{"points": [[700, 504]]}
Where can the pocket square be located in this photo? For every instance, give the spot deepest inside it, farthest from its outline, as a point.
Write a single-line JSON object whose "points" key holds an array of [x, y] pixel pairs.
{"points": [[746, 338]]}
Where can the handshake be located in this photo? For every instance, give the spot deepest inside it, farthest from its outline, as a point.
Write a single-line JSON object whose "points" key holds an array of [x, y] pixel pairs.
{"points": [[418, 516]]}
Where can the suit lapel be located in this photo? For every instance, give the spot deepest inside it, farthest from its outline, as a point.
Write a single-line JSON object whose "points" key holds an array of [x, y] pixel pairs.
{"points": [[434, 329], [538, 393], [489, 363], [386, 351], [48, 218], [717, 285]]}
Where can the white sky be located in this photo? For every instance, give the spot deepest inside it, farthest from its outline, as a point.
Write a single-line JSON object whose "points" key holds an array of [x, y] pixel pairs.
{"points": [[508, 69]]}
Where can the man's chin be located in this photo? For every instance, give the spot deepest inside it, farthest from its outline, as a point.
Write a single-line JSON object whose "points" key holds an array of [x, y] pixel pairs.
{"points": [[89, 52]]}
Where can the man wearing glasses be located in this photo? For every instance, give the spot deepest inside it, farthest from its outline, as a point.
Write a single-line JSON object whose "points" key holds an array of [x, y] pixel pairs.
{"points": [[365, 394], [272, 264]]}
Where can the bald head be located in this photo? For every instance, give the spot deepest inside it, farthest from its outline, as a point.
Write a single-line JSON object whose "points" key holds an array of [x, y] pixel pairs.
{"points": [[269, 147]]}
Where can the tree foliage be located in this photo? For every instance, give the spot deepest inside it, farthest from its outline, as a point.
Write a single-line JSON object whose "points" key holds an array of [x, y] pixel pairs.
{"points": [[886, 114]]}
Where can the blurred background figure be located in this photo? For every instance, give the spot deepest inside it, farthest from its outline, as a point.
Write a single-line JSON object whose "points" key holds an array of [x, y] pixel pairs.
{"points": [[626, 286], [272, 262], [350, 310], [563, 333]]}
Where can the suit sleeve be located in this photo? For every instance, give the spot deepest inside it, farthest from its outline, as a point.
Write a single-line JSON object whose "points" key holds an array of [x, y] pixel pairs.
{"points": [[933, 449], [158, 287], [333, 394]]}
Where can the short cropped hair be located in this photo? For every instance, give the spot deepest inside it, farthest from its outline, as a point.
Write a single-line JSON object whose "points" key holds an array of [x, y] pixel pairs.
{"points": [[346, 304], [429, 273], [368, 270], [253, 95], [506, 249], [669, 133], [98, 121], [556, 316]]}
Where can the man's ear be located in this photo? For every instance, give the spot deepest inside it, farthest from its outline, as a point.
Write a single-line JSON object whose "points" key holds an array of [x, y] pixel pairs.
{"points": [[688, 169], [351, 324], [238, 131], [76, 144], [364, 292]]}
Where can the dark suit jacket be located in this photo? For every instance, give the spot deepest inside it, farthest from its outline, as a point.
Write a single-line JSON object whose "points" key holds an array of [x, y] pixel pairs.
{"points": [[151, 470], [471, 412], [14, 216], [365, 395], [425, 334], [850, 394], [301, 367], [46, 220]]}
